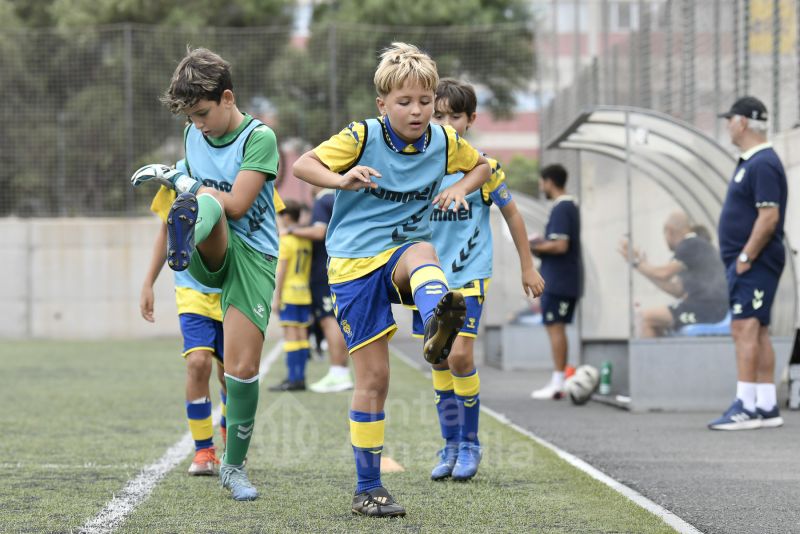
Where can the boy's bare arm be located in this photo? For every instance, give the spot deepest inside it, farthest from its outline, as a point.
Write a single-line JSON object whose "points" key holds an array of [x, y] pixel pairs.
{"points": [[315, 232], [471, 181], [157, 259], [532, 281], [311, 169]]}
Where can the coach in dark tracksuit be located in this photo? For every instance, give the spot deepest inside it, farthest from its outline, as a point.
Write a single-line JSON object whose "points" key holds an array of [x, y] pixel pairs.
{"points": [[750, 242]]}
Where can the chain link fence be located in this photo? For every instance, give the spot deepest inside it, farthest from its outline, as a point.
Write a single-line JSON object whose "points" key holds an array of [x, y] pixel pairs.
{"points": [[82, 109], [687, 58]]}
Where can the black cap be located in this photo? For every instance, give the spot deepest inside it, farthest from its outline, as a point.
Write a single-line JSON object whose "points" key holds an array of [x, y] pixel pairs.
{"points": [[749, 107]]}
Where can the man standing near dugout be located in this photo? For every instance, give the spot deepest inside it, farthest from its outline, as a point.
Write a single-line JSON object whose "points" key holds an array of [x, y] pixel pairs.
{"points": [[750, 242]]}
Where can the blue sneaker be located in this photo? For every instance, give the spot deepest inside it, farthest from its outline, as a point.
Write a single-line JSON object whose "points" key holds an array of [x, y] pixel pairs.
{"points": [[771, 418], [235, 479], [736, 418], [180, 231], [447, 460], [469, 457]]}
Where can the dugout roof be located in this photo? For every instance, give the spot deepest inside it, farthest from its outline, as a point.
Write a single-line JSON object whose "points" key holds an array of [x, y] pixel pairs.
{"points": [[654, 155]]}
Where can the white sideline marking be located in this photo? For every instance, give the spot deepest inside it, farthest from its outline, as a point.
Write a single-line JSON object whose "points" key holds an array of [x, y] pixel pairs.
{"points": [[138, 489], [637, 498]]}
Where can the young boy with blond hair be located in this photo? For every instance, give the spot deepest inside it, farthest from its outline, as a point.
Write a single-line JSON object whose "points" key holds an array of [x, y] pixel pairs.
{"points": [[222, 228], [463, 241], [388, 172]]}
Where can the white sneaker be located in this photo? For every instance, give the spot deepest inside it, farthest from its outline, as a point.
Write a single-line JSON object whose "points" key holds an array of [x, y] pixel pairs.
{"points": [[331, 384], [549, 392]]}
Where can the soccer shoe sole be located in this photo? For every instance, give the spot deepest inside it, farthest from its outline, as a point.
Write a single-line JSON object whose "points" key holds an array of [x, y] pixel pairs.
{"points": [[753, 424], [200, 470], [449, 314], [180, 231], [772, 422], [386, 510], [333, 388]]}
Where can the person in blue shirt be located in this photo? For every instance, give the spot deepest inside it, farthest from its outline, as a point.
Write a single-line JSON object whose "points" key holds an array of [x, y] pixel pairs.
{"points": [[463, 241], [560, 251], [338, 377], [751, 246]]}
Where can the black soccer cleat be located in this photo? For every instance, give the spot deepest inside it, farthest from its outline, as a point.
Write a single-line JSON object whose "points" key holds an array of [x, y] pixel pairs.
{"points": [[377, 502], [180, 231], [286, 385], [443, 327]]}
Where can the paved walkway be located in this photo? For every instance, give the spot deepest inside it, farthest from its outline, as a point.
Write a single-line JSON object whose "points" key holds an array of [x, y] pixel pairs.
{"points": [[720, 482]]}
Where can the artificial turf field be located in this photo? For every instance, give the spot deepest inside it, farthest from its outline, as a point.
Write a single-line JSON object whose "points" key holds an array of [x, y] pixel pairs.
{"points": [[83, 418]]}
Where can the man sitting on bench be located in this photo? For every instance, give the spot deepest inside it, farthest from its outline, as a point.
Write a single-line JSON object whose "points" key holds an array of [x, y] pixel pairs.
{"points": [[695, 275]]}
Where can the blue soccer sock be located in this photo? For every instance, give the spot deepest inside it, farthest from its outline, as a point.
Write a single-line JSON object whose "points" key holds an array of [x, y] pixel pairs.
{"points": [[428, 284], [467, 390], [446, 405], [366, 436], [223, 423], [198, 412], [296, 358]]}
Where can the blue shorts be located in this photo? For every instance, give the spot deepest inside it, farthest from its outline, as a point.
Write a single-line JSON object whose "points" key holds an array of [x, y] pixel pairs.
{"points": [[201, 333], [471, 324], [557, 309], [295, 315], [321, 303], [751, 294], [363, 306]]}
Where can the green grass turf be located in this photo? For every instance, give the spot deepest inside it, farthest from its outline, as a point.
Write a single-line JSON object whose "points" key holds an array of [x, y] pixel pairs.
{"points": [[119, 406]]}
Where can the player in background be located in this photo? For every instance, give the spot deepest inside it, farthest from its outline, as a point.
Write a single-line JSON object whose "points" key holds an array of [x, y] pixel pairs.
{"points": [[463, 241], [200, 318], [293, 299], [560, 251], [222, 228], [338, 377], [378, 241]]}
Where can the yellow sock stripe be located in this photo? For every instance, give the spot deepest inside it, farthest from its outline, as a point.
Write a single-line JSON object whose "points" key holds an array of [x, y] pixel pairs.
{"points": [[201, 429], [366, 435], [467, 386], [442, 380], [426, 274], [291, 346], [224, 409]]}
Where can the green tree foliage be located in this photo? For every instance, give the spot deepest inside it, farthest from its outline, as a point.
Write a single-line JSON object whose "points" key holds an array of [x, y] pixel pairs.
{"points": [[81, 79], [522, 174], [487, 42]]}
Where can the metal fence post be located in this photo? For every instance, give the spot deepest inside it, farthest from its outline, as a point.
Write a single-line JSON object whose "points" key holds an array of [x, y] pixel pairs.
{"points": [[717, 69], [128, 81], [776, 65], [746, 43], [737, 74], [645, 88], [668, 103], [333, 87]]}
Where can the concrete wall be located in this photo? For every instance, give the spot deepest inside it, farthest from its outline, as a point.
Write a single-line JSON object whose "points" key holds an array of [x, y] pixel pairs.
{"points": [[80, 278], [786, 145]]}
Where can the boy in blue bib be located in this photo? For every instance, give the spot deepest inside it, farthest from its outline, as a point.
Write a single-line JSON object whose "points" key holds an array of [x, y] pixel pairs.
{"points": [[226, 235], [463, 241], [388, 172]]}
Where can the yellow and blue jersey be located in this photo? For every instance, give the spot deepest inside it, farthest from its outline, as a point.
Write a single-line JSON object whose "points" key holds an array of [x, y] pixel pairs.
{"points": [[296, 251], [368, 226], [190, 295], [463, 238]]}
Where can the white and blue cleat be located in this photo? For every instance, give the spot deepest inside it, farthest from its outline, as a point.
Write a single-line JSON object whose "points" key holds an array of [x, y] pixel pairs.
{"points": [[737, 418], [234, 478], [469, 457], [447, 461]]}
